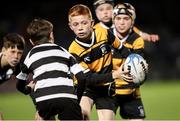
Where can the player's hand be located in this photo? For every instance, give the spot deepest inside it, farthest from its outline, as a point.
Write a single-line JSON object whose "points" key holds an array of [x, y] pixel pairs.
{"points": [[154, 37], [122, 74], [32, 84], [150, 37]]}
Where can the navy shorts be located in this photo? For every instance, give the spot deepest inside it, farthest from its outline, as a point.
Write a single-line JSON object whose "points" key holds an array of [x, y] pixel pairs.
{"points": [[99, 95], [130, 106], [65, 108]]}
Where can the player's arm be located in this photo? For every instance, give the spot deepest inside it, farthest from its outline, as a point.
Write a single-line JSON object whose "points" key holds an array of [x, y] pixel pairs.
{"points": [[89, 78], [86, 77], [92, 78], [22, 84], [147, 36], [23, 87]]}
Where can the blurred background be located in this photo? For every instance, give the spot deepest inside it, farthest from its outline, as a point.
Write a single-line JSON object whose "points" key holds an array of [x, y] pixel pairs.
{"points": [[160, 99], [152, 17]]}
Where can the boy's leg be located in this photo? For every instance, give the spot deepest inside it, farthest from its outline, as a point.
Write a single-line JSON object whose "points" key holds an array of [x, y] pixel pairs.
{"points": [[86, 104], [105, 108], [105, 114]]}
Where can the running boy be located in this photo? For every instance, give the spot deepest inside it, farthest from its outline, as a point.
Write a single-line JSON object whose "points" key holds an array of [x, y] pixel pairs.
{"points": [[127, 95], [92, 50]]}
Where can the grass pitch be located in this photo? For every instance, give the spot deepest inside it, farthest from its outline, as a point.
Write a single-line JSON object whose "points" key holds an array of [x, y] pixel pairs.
{"points": [[161, 101]]}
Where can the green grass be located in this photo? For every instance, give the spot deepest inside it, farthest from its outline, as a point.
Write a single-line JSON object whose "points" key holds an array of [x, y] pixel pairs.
{"points": [[161, 101], [16, 106]]}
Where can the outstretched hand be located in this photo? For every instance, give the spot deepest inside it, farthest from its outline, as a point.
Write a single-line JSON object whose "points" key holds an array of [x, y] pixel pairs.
{"points": [[150, 37]]}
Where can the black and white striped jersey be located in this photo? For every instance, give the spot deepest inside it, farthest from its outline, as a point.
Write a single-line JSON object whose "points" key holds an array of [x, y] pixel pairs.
{"points": [[51, 66]]}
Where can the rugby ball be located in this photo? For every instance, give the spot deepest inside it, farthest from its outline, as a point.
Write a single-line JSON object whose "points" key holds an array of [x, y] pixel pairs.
{"points": [[137, 67]]}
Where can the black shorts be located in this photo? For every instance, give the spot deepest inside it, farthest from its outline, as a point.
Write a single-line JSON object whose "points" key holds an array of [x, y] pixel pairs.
{"points": [[131, 107], [65, 108], [99, 95]]}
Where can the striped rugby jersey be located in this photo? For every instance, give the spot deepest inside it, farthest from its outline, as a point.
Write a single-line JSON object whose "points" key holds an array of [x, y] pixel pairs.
{"points": [[51, 66], [132, 43], [96, 56]]}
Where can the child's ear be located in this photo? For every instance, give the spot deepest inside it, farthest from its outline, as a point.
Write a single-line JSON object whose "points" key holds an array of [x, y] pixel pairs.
{"points": [[70, 26], [3, 50], [92, 23], [51, 36]]}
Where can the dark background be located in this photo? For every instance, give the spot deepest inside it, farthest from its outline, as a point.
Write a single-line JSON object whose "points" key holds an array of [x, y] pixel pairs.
{"points": [[153, 16]]}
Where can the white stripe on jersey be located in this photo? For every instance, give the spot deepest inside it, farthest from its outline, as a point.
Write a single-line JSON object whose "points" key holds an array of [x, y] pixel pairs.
{"points": [[47, 97], [42, 68], [22, 76], [51, 67], [43, 54], [53, 82], [76, 68]]}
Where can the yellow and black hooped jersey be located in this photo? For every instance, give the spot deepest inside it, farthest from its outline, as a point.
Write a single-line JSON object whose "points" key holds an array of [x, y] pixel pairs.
{"points": [[96, 56], [136, 30], [132, 43]]}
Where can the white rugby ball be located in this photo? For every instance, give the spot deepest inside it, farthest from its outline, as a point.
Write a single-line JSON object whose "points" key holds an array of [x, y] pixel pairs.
{"points": [[137, 66]]}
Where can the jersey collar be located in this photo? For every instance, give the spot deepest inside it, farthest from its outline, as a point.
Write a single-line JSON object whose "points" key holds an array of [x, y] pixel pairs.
{"points": [[86, 44]]}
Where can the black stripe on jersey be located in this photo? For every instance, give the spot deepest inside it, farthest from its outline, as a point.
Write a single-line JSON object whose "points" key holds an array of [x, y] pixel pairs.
{"points": [[44, 48], [48, 60], [140, 52], [127, 86], [51, 74], [132, 37], [111, 37], [79, 59], [72, 61], [124, 51], [96, 53], [106, 69], [55, 89]]}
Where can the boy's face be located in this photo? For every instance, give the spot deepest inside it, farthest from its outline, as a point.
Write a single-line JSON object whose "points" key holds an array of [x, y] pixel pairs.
{"points": [[12, 55], [122, 23], [104, 12], [81, 25]]}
